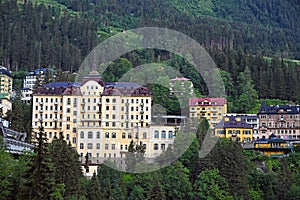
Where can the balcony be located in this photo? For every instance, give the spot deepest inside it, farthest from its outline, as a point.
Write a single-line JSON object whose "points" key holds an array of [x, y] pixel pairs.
{"points": [[55, 119], [55, 111], [56, 103], [142, 112], [41, 102], [192, 111], [214, 110], [82, 110], [99, 102], [142, 104], [41, 111], [203, 111], [214, 116]]}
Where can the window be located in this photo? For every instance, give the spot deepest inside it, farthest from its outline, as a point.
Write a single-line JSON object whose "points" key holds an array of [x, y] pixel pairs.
{"points": [[145, 146], [129, 135], [126, 147], [121, 147], [98, 135], [98, 146], [68, 137], [107, 116], [155, 146], [68, 126], [163, 147], [107, 135], [69, 101], [107, 100], [156, 134], [74, 130], [106, 123], [73, 140], [123, 135], [68, 119], [163, 134], [106, 146], [136, 135], [114, 107], [113, 135], [170, 134], [90, 146], [113, 146], [113, 124], [90, 135], [81, 135], [144, 135], [68, 110], [81, 146], [107, 107], [114, 100]]}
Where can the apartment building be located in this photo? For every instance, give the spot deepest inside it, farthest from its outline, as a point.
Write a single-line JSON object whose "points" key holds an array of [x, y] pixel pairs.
{"points": [[6, 81], [6, 92], [30, 82], [251, 119], [280, 120], [99, 119], [213, 109], [235, 128]]}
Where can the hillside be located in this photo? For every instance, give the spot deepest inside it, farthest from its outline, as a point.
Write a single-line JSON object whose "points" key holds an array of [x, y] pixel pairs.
{"points": [[259, 27], [238, 34]]}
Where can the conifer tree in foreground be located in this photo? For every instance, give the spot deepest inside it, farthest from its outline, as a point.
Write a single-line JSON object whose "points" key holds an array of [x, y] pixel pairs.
{"points": [[39, 182]]}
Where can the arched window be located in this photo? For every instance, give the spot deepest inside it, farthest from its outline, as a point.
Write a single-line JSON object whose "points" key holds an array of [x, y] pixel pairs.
{"points": [[163, 147], [155, 146], [106, 146], [144, 135], [107, 135], [81, 146], [145, 146], [113, 146], [81, 134], [170, 134], [90, 135], [129, 135], [114, 135], [163, 134], [98, 145], [156, 134], [123, 135], [90, 146], [74, 140]]}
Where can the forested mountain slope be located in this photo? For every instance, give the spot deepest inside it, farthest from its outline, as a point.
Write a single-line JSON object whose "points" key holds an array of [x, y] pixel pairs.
{"points": [[237, 33]]}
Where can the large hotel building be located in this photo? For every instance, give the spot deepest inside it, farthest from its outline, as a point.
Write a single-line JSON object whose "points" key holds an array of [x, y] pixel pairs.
{"points": [[99, 119]]}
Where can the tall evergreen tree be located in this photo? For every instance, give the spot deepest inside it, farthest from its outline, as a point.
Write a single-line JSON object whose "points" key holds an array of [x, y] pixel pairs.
{"points": [[39, 183]]}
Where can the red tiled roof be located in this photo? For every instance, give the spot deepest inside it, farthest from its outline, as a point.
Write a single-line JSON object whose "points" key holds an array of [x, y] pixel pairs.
{"points": [[219, 101]]}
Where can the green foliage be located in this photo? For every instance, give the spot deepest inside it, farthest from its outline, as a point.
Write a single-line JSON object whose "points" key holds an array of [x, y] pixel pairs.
{"points": [[210, 185]]}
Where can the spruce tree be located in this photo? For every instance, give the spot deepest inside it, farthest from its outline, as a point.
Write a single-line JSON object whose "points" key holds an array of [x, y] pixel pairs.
{"points": [[39, 182]]}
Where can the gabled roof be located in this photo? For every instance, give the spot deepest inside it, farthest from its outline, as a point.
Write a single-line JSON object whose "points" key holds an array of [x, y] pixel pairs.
{"points": [[3, 70], [217, 101], [232, 123], [278, 109]]}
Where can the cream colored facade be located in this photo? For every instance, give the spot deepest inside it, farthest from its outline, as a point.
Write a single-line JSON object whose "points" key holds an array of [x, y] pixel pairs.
{"points": [[99, 119], [6, 82], [212, 109]]}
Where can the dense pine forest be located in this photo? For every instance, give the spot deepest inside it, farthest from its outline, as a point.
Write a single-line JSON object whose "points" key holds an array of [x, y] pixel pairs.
{"points": [[256, 44], [263, 37]]}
